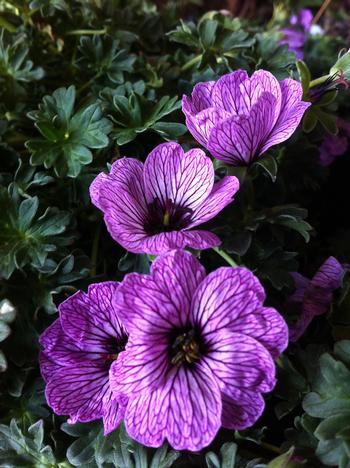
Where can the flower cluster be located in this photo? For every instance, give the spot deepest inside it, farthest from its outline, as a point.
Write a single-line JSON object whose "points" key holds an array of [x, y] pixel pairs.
{"points": [[197, 355], [176, 353]]}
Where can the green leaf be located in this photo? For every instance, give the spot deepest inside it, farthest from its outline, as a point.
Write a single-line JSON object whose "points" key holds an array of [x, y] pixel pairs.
{"points": [[24, 237], [305, 76], [68, 137]]}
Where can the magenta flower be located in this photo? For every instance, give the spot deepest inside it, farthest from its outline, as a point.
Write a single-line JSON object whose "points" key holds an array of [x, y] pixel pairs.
{"points": [[153, 208], [313, 297], [335, 145], [200, 351], [238, 118], [78, 350], [295, 34]]}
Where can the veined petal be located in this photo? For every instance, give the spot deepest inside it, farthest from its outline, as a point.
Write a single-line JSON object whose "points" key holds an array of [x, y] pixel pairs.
{"points": [[78, 391], [227, 94], [265, 325], [62, 349], [292, 111], [201, 124], [220, 197], [239, 361], [184, 178], [165, 241], [90, 322], [200, 98], [158, 302], [238, 140], [47, 366], [186, 411], [223, 296], [141, 368], [242, 409], [113, 412]]}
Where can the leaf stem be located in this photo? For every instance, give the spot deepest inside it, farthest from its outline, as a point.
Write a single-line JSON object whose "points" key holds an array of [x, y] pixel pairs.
{"points": [[191, 62], [225, 256]]}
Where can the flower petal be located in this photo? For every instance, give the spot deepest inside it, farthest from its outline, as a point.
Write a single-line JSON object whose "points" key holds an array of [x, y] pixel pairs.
{"points": [[113, 412], [166, 241], [78, 391], [220, 197], [60, 348], [156, 303], [184, 178], [227, 94], [186, 411], [141, 368], [292, 111], [318, 295], [121, 198], [238, 140], [201, 124], [91, 321], [47, 366], [239, 361], [265, 325], [242, 409], [223, 296], [200, 98]]}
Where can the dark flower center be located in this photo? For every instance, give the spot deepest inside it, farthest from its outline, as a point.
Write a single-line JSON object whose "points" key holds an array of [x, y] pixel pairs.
{"points": [[166, 218], [113, 347], [186, 347]]}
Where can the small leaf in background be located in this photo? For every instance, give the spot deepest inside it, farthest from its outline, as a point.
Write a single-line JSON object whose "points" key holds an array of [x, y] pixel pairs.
{"points": [[67, 137]]}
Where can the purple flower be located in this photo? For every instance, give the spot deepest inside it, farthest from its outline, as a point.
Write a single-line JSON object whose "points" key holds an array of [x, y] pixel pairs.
{"points": [[295, 35], [153, 207], [200, 351], [313, 297], [334, 145], [78, 350], [238, 118]]}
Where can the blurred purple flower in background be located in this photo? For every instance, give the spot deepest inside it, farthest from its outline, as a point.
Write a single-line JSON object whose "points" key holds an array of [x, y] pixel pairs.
{"points": [[78, 350], [335, 145], [238, 118], [200, 353], [295, 34], [153, 207], [313, 297]]}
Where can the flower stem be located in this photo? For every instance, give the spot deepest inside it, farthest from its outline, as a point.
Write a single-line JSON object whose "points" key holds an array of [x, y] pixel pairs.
{"points": [[225, 256]]}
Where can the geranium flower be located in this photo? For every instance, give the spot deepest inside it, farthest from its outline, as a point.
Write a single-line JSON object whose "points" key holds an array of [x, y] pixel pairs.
{"points": [[313, 297], [335, 145], [200, 352], [238, 118], [295, 34], [153, 207], [78, 350]]}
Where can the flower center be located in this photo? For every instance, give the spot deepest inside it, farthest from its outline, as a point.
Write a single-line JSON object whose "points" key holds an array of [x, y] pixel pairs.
{"points": [[113, 347], [185, 348], [166, 217]]}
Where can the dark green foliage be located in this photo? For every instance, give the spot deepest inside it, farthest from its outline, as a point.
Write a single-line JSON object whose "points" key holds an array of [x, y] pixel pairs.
{"points": [[83, 83]]}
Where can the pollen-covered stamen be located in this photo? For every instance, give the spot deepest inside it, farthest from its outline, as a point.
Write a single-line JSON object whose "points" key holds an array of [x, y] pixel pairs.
{"points": [[111, 357], [185, 349]]}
